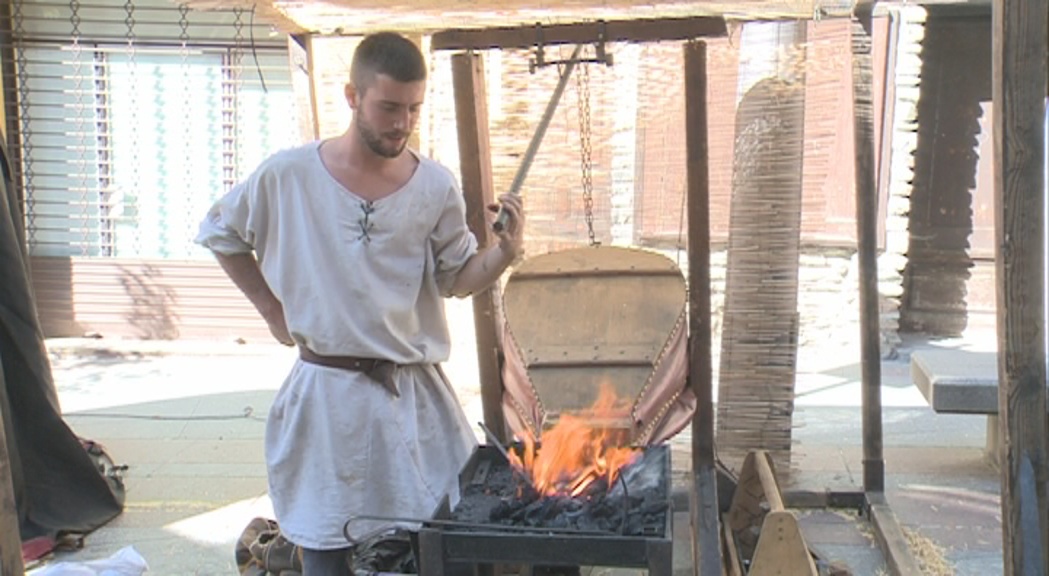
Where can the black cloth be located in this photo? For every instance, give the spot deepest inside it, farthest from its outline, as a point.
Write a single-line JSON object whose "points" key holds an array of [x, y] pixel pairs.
{"points": [[58, 485]]}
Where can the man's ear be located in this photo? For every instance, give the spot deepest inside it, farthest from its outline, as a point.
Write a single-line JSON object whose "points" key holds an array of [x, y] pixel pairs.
{"points": [[352, 96]]}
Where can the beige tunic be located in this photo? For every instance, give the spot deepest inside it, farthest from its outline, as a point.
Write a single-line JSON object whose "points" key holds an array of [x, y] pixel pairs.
{"points": [[364, 279]]}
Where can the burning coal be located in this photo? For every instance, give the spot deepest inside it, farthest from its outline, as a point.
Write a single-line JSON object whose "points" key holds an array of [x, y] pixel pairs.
{"points": [[635, 504], [579, 450], [583, 475]]}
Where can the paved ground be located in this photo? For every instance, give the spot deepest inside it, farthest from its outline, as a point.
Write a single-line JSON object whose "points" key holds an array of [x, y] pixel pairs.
{"points": [[188, 419]]}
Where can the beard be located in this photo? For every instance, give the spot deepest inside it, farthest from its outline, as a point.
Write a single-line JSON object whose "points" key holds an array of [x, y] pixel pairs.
{"points": [[377, 142]]}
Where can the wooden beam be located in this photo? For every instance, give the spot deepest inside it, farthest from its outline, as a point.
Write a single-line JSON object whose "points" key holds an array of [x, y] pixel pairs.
{"points": [[867, 240], [1018, 93], [10, 542], [890, 536], [475, 164], [300, 65], [706, 547], [12, 126], [650, 30]]}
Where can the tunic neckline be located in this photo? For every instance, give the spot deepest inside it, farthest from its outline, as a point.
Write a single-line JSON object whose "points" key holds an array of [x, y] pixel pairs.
{"points": [[407, 183]]}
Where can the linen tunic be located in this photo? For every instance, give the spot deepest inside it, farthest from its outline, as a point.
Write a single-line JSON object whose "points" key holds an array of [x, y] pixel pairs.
{"points": [[355, 278]]}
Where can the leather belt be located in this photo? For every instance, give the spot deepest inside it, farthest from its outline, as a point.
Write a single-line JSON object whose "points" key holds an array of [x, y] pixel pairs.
{"points": [[378, 370]]}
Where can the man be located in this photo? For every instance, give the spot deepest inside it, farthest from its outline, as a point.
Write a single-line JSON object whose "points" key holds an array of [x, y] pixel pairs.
{"points": [[346, 247]]}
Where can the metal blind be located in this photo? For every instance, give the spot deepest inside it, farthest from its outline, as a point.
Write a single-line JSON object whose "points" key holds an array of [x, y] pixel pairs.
{"points": [[133, 117]]}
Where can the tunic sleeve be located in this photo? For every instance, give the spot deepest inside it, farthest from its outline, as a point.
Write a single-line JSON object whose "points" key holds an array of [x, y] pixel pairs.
{"points": [[453, 243], [228, 227]]}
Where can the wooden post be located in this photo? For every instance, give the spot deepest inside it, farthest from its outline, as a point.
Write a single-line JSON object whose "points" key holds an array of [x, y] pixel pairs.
{"points": [[706, 548], [475, 164], [867, 241], [10, 542], [1018, 91], [301, 66]]}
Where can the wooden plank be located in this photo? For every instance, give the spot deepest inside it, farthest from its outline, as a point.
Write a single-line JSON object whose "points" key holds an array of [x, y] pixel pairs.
{"points": [[650, 30], [1018, 92], [303, 82], [867, 240], [781, 548], [890, 537], [475, 164], [10, 542], [706, 547]]}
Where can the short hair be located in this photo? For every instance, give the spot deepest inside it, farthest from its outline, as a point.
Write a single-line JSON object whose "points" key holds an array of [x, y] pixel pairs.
{"points": [[386, 53]]}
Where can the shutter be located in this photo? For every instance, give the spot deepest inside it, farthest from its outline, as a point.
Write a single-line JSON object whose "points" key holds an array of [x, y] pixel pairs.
{"points": [[134, 117]]}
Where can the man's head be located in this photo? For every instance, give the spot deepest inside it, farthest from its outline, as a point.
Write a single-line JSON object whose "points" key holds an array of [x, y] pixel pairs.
{"points": [[386, 90]]}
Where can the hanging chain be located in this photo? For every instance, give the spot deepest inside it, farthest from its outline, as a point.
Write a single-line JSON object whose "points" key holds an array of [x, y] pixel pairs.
{"points": [[238, 80], [187, 124], [585, 148], [132, 193], [78, 91], [25, 127]]}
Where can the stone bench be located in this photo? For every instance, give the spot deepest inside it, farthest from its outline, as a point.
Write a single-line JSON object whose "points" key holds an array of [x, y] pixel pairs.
{"points": [[960, 382]]}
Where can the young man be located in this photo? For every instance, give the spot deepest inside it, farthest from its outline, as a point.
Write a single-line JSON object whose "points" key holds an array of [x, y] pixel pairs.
{"points": [[346, 247]]}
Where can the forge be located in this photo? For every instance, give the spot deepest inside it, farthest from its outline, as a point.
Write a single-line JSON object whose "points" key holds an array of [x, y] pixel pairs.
{"points": [[501, 520]]}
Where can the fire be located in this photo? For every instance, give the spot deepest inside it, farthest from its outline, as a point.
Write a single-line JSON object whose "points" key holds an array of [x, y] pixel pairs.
{"points": [[578, 450]]}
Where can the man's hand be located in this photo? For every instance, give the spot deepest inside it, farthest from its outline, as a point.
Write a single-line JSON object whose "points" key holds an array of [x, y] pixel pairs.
{"points": [[274, 318], [243, 269], [511, 237]]}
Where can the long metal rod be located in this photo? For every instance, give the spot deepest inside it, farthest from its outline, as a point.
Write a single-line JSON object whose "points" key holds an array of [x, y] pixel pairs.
{"points": [[537, 138], [542, 530]]}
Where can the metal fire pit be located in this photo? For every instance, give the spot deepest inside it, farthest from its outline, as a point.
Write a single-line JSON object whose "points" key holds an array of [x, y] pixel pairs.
{"points": [[448, 545]]}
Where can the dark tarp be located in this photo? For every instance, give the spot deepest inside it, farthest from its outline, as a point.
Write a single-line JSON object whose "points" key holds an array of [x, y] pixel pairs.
{"points": [[58, 486]]}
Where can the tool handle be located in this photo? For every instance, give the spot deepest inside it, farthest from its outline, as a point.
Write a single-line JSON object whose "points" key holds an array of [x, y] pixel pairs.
{"points": [[500, 221], [533, 146]]}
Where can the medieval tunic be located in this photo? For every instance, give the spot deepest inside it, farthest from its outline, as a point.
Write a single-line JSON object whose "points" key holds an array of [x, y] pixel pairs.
{"points": [[356, 278]]}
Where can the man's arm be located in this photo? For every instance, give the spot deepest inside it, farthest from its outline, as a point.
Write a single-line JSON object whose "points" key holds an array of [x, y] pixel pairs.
{"points": [[243, 269], [484, 268]]}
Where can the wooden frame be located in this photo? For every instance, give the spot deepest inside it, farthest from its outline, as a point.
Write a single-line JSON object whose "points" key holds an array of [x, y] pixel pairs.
{"points": [[704, 513], [1019, 31], [651, 30]]}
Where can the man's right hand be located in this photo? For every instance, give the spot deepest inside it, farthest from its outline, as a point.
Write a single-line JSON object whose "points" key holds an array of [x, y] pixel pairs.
{"points": [[243, 269], [278, 326]]}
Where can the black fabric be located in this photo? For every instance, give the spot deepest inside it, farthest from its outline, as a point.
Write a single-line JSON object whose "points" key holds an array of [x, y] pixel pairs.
{"points": [[58, 486]]}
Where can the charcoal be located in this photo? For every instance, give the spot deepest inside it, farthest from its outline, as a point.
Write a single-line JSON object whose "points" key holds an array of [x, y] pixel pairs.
{"points": [[636, 504]]}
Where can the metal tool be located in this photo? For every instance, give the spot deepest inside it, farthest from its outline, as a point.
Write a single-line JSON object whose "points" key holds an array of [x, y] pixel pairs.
{"points": [[515, 187], [494, 440]]}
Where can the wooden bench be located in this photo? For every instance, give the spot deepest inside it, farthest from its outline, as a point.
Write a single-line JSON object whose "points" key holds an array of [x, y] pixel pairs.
{"points": [[960, 382]]}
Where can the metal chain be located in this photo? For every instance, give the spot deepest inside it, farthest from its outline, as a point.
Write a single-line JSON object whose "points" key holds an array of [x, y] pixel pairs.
{"points": [[187, 123], [25, 126], [586, 149], [133, 195], [78, 91], [238, 57]]}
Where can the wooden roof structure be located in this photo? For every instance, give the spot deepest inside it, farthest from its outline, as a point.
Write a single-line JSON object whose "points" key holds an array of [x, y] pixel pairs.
{"points": [[355, 17]]}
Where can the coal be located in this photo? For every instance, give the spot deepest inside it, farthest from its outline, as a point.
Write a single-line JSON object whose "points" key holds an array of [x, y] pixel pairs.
{"points": [[635, 505]]}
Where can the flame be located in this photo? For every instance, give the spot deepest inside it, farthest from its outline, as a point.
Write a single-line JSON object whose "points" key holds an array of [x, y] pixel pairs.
{"points": [[578, 450]]}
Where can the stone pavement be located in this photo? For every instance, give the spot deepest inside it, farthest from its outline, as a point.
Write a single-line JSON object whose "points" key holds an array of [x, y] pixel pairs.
{"points": [[188, 419]]}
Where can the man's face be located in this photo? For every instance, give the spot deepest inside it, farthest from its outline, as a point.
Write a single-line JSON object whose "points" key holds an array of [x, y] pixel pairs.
{"points": [[385, 113]]}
